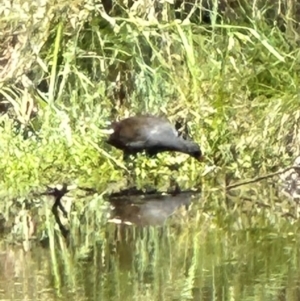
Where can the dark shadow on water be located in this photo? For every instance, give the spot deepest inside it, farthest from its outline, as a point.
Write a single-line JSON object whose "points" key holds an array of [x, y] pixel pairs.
{"points": [[134, 206]]}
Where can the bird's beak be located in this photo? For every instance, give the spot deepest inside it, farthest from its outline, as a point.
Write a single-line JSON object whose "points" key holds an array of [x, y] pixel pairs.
{"points": [[201, 158]]}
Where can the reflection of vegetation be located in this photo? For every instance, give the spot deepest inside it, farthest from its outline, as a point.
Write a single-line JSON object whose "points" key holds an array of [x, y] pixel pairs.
{"points": [[218, 252], [68, 69]]}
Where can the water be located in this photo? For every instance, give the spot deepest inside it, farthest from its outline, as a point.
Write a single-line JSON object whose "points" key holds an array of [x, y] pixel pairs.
{"points": [[160, 248]]}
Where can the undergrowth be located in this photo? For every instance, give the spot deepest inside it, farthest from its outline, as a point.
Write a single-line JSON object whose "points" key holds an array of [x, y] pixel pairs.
{"points": [[68, 69]]}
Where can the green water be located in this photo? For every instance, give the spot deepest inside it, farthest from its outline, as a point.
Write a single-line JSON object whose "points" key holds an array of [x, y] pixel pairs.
{"points": [[207, 252]]}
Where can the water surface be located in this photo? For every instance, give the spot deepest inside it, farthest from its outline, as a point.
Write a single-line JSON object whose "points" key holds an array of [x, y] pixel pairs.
{"points": [[187, 247]]}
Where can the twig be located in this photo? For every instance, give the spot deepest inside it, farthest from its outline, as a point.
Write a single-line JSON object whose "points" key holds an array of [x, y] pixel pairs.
{"points": [[257, 179], [58, 194]]}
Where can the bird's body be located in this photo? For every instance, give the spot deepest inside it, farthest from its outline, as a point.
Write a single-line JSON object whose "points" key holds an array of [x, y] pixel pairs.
{"points": [[151, 134]]}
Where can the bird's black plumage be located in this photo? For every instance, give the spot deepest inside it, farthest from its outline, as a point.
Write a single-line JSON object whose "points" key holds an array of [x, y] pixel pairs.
{"points": [[151, 134]]}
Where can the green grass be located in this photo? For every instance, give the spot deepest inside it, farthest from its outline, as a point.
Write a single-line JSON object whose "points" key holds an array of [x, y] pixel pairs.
{"points": [[235, 84], [70, 69]]}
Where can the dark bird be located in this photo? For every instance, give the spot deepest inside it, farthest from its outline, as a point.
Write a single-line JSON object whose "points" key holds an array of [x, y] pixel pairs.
{"points": [[150, 134]]}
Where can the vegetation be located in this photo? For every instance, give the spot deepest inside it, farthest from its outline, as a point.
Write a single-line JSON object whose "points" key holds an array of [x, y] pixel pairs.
{"points": [[68, 69]]}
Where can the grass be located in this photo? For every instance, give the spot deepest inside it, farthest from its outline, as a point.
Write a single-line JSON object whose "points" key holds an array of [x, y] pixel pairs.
{"points": [[70, 69]]}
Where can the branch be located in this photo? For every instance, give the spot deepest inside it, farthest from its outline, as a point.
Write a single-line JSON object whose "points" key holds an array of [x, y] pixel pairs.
{"points": [[257, 179]]}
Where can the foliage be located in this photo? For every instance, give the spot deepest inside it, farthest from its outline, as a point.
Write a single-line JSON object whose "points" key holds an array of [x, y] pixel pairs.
{"points": [[70, 68]]}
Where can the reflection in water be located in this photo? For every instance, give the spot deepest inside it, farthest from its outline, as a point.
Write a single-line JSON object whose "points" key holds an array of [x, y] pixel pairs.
{"points": [[24, 276], [151, 209], [207, 255]]}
